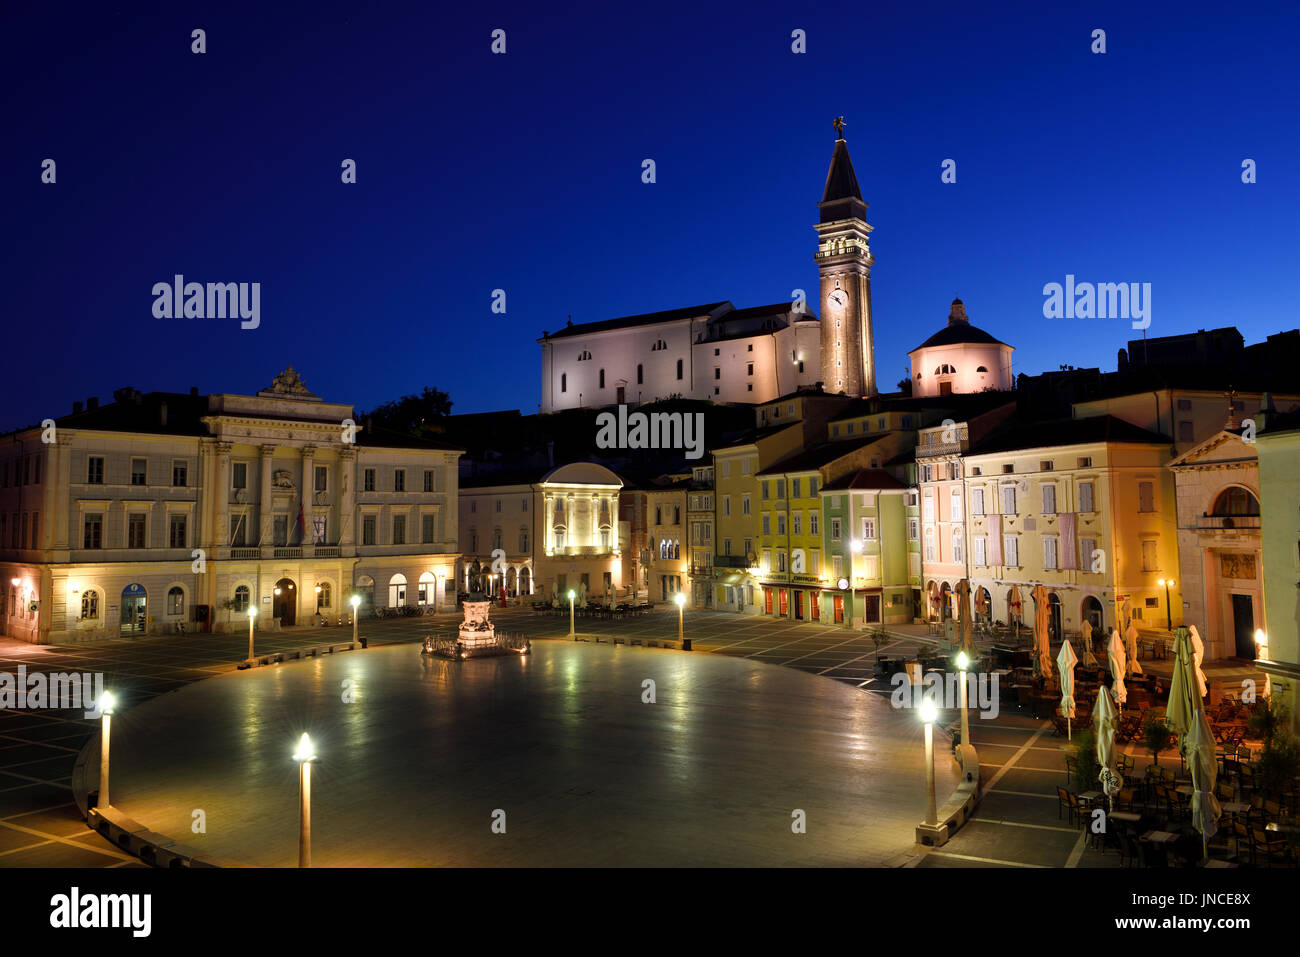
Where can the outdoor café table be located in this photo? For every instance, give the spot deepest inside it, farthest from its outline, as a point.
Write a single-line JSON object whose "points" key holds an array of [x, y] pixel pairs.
{"points": [[1089, 797], [1127, 817], [1235, 807], [1158, 837]]}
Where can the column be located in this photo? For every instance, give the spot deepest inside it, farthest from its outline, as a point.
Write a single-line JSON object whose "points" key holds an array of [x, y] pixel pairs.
{"points": [[307, 491], [219, 535], [264, 503], [347, 507], [570, 523], [595, 519], [58, 479], [548, 521]]}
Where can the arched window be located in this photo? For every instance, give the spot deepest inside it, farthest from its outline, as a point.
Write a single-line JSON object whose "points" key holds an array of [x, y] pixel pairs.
{"points": [[90, 604], [176, 600], [677, 548], [241, 599], [981, 369], [1235, 500], [323, 596]]}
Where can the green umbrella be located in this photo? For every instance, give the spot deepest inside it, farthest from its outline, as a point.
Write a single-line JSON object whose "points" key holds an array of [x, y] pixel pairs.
{"points": [[1205, 774], [1183, 699]]}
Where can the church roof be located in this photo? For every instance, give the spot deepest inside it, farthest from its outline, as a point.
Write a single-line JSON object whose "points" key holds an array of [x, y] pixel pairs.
{"points": [[644, 319], [842, 198], [957, 334]]}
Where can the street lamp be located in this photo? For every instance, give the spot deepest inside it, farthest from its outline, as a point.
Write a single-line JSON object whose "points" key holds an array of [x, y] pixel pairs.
{"points": [[928, 715], [252, 616], [1169, 611], [305, 755], [571, 597], [680, 598], [356, 602], [106, 705]]}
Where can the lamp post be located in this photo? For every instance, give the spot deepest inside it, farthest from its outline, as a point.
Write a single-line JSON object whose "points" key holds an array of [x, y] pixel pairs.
{"points": [[305, 755], [680, 598], [106, 705], [572, 595], [1169, 611], [252, 616], [928, 714], [356, 603], [963, 662]]}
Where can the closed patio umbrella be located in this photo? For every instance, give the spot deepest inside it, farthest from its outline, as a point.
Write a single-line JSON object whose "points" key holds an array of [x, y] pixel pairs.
{"points": [[1118, 665], [1198, 654], [1205, 775], [1065, 662], [1089, 660], [1014, 608], [1183, 698], [1104, 720], [1131, 640], [1042, 647], [964, 618]]}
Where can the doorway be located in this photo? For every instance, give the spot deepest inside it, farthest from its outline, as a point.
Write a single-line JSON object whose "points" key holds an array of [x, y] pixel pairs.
{"points": [[134, 616], [285, 604], [1243, 625]]}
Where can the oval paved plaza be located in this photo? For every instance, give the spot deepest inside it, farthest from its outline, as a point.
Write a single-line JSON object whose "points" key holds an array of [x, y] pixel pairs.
{"points": [[413, 766]]}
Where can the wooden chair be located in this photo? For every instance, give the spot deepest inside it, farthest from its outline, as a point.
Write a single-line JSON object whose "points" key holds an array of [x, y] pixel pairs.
{"points": [[1268, 847], [1063, 803], [1076, 808]]}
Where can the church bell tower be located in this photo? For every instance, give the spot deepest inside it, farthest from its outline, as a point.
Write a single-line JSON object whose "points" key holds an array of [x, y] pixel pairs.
{"points": [[844, 261]]}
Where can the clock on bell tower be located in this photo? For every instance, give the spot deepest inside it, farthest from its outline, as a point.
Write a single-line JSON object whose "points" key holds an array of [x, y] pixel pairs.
{"points": [[844, 261]]}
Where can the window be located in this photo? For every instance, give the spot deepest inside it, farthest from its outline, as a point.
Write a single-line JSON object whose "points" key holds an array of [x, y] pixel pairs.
{"points": [[323, 595], [812, 486], [780, 523], [1235, 501], [796, 523], [1146, 497], [1008, 500], [95, 470], [767, 524], [812, 523], [399, 480], [523, 540], [835, 529], [241, 599], [368, 480], [1085, 497], [426, 528], [744, 505], [780, 561], [498, 505], [780, 488], [1009, 469], [1049, 499], [1185, 432], [981, 550], [744, 465], [368, 530], [764, 486], [1086, 547], [321, 483], [1184, 405], [640, 378], [726, 505], [180, 473], [977, 501], [795, 485], [958, 546], [602, 378], [280, 530], [913, 529], [1149, 557], [318, 530], [1084, 462], [135, 531], [1011, 550], [399, 529], [90, 604], [139, 472], [679, 369], [1050, 545], [868, 529], [175, 600], [239, 531], [430, 482], [176, 531], [717, 372], [927, 508], [955, 514], [837, 566], [564, 381], [239, 475], [929, 545], [749, 366], [1046, 465]]}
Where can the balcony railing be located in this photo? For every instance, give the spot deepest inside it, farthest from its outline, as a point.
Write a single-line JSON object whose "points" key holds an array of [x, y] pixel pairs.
{"points": [[327, 551], [1228, 521], [288, 551], [730, 561], [238, 553]]}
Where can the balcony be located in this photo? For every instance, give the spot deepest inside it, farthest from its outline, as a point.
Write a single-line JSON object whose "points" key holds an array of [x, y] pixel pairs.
{"points": [[243, 553], [288, 551], [327, 551], [1229, 522], [730, 561]]}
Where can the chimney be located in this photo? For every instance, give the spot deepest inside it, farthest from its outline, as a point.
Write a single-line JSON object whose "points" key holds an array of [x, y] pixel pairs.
{"points": [[76, 406], [162, 414], [92, 402]]}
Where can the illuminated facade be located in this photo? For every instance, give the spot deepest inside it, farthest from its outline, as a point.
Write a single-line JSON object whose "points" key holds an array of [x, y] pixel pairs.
{"points": [[170, 511]]}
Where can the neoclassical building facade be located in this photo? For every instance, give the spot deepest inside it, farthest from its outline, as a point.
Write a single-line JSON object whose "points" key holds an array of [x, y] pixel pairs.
{"points": [[173, 512]]}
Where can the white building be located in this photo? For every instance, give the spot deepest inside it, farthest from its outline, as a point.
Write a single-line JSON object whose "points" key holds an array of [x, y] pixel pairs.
{"points": [[171, 511], [714, 352], [960, 358]]}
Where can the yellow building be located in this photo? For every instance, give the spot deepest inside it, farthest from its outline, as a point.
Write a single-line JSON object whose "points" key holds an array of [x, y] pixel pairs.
{"points": [[1084, 506], [1278, 445], [668, 554]]}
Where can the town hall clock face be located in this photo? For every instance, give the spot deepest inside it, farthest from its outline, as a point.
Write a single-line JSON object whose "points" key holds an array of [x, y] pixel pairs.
{"points": [[838, 299]]}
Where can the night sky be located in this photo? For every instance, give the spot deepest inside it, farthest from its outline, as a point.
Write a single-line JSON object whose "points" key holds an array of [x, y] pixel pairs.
{"points": [[523, 172]]}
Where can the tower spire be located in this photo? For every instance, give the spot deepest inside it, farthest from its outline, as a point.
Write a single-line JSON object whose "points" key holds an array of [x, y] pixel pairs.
{"points": [[842, 198]]}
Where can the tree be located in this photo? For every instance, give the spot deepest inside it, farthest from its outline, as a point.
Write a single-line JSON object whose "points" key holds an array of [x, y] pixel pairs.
{"points": [[905, 385], [411, 414]]}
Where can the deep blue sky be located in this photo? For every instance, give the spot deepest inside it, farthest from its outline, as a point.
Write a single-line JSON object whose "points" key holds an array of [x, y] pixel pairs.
{"points": [[523, 172]]}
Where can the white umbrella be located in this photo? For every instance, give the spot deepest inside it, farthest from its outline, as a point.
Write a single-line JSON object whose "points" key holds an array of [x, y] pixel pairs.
{"points": [[1198, 655], [1065, 662], [1115, 653], [1104, 720], [1205, 773], [1131, 638]]}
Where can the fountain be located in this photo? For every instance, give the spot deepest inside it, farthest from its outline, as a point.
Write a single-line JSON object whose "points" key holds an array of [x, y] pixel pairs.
{"points": [[476, 637]]}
